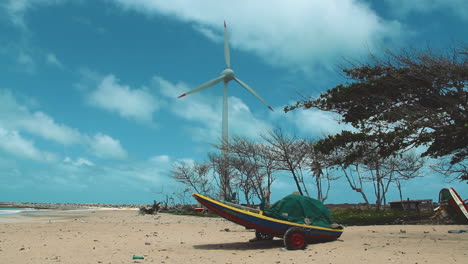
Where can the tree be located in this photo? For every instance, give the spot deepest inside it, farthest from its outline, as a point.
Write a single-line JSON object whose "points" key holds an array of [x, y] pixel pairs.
{"points": [[404, 167], [268, 166], [380, 171], [355, 180], [383, 171], [445, 167], [193, 175], [289, 153], [320, 165], [221, 166], [246, 172], [351, 171], [254, 164], [404, 100], [363, 155], [374, 171]]}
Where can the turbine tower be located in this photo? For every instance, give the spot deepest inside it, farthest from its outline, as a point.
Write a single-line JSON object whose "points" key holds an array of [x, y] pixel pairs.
{"points": [[226, 76]]}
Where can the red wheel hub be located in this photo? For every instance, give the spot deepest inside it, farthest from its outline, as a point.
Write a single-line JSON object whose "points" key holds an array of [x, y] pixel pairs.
{"points": [[297, 240]]}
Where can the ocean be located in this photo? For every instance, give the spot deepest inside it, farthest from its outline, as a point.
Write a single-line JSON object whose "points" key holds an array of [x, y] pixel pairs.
{"points": [[13, 211]]}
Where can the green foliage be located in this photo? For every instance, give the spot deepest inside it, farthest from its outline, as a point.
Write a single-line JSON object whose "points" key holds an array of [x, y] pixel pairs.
{"points": [[194, 214], [361, 217], [407, 100], [358, 217]]}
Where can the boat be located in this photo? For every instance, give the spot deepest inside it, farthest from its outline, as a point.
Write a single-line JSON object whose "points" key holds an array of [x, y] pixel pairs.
{"points": [[295, 235], [453, 204]]}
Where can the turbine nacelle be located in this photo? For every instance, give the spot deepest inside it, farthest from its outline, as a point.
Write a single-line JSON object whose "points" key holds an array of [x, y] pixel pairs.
{"points": [[228, 74]]}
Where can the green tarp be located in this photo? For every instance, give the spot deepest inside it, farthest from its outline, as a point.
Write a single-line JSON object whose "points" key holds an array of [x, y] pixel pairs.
{"points": [[296, 208], [444, 195]]}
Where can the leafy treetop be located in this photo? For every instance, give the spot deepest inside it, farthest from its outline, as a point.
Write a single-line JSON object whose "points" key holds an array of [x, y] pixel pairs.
{"points": [[405, 100]]}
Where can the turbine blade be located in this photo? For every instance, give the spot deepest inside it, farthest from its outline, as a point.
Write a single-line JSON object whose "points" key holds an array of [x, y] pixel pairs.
{"points": [[252, 92], [203, 86], [227, 55]]}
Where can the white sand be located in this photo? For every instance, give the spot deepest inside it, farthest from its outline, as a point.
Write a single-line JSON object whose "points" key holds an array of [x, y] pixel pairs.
{"points": [[114, 236]]}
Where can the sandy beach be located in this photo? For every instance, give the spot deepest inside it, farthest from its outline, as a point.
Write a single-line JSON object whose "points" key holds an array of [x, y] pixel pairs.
{"points": [[114, 236]]}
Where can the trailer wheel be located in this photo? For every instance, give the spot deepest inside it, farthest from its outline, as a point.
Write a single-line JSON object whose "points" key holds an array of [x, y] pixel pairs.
{"points": [[260, 235], [295, 239]]}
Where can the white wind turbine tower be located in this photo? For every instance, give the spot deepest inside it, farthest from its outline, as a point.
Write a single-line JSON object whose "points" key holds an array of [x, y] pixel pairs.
{"points": [[226, 76]]}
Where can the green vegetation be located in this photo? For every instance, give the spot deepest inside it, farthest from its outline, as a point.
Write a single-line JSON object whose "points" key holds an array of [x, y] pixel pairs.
{"points": [[400, 102], [360, 217], [193, 214]]}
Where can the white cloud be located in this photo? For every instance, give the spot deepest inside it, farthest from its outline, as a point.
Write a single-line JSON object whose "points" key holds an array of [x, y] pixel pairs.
{"points": [[161, 159], [16, 9], [78, 162], [209, 33], [82, 161], [81, 174], [17, 117], [139, 175], [13, 143], [51, 59], [243, 121], [188, 161], [26, 62], [104, 146], [137, 104], [316, 123], [27, 57], [404, 7], [42, 125], [299, 33]]}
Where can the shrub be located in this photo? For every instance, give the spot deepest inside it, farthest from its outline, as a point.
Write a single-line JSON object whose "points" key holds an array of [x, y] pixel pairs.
{"points": [[361, 217]]}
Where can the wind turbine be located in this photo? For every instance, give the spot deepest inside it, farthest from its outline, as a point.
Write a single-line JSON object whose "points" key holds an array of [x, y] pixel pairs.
{"points": [[226, 76]]}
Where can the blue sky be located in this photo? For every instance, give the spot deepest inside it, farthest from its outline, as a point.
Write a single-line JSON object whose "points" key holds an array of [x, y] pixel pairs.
{"points": [[88, 108]]}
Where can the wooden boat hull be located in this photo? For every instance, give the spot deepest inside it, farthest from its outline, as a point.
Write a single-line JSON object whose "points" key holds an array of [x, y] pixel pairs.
{"points": [[457, 205], [264, 223]]}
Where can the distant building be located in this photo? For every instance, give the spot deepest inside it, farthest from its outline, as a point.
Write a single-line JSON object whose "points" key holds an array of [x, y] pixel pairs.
{"points": [[412, 205]]}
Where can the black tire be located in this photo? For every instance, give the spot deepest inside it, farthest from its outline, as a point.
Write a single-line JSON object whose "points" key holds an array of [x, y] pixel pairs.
{"points": [[260, 235], [295, 239]]}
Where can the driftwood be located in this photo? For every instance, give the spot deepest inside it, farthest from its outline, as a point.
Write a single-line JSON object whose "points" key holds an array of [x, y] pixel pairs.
{"points": [[154, 209]]}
